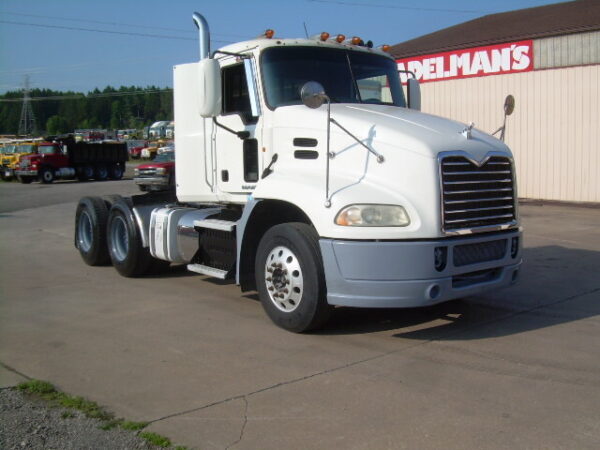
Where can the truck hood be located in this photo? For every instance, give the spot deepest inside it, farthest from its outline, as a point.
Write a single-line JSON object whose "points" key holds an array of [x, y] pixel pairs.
{"points": [[402, 128]]}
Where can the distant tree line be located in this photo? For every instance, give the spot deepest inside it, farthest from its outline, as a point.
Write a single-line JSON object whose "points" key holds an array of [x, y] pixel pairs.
{"points": [[111, 108]]}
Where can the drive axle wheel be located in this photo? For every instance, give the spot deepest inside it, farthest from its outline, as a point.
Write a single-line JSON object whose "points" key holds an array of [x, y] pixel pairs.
{"points": [[101, 172], [127, 253], [290, 277], [115, 171], [90, 230]]}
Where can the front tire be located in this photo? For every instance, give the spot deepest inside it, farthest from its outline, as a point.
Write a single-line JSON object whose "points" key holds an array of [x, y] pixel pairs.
{"points": [[46, 175], [128, 255], [290, 277], [90, 230]]}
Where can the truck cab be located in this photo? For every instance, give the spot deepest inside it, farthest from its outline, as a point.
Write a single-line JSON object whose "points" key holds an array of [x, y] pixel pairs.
{"points": [[42, 164], [304, 172]]}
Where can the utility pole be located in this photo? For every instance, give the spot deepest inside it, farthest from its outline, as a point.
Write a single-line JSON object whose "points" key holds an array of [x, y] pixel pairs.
{"points": [[27, 121]]}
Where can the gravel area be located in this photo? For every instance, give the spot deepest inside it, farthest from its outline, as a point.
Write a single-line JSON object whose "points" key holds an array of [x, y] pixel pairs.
{"points": [[29, 423]]}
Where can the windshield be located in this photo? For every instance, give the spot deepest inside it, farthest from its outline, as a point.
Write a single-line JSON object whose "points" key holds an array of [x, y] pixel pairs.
{"points": [[347, 76], [165, 157], [26, 149], [46, 149]]}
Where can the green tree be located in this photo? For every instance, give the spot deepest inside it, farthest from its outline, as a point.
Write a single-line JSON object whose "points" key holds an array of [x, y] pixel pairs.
{"points": [[57, 125]]}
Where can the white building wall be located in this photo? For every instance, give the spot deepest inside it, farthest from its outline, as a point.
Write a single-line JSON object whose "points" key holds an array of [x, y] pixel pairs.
{"points": [[554, 131]]}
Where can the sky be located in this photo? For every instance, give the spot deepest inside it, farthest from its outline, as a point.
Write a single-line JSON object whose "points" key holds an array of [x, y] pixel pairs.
{"points": [[79, 45]]}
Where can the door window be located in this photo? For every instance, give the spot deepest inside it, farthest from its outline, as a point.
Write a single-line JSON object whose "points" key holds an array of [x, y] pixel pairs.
{"points": [[236, 99]]}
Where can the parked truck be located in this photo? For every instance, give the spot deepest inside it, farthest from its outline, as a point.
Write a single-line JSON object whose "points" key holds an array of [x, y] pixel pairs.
{"points": [[13, 153], [67, 159], [296, 182]]}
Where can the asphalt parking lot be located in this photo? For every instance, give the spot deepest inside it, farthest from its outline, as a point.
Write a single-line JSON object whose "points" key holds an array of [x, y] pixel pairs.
{"points": [[517, 368]]}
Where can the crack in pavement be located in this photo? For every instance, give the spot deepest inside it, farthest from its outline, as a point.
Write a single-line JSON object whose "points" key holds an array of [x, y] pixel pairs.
{"points": [[15, 371], [375, 357], [243, 425]]}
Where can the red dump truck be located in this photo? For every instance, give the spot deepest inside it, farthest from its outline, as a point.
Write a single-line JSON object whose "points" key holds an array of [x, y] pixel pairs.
{"points": [[64, 158]]}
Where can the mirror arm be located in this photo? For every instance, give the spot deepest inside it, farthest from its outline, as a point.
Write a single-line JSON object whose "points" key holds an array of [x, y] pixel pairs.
{"points": [[379, 156], [241, 134], [239, 55]]}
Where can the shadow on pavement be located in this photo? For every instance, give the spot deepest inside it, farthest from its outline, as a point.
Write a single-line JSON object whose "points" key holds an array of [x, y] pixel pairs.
{"points": [[557, 285]]}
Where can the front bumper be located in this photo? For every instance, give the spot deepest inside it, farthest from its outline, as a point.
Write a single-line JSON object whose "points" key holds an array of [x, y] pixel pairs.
{"points": [[397, 274], [26, 173], [7, 172], [152, 181]]}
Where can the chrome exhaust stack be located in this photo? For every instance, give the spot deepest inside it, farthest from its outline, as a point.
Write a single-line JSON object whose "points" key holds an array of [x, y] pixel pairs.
{"points": [[203, 34]]}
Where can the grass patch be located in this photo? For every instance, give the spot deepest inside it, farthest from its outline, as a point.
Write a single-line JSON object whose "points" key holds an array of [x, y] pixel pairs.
{"points": [[49, 393], [133, 426], [156, 439]]}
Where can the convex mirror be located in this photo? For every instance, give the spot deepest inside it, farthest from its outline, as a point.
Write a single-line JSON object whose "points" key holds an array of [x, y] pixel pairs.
{"points": [[313, 94]]}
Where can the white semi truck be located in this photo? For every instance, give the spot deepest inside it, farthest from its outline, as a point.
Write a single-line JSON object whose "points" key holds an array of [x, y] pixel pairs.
{"points": [[304, 173]]}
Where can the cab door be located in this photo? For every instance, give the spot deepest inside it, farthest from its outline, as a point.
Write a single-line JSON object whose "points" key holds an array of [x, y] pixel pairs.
{"points": [[237, 131]]}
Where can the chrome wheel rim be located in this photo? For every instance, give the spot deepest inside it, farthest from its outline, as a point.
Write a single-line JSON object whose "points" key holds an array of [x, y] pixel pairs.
{"points": [[283, 278], [84, 232], [119, 239]]}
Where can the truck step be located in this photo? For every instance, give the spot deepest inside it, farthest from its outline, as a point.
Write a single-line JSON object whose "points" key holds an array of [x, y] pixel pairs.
{"points": [[215, 224], [210, 271]]}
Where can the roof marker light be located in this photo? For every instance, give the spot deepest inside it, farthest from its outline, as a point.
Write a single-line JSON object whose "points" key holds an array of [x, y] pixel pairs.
{"points": [[324, 36], [340, 38], [356, 40], [269, 33], [385, 48]]}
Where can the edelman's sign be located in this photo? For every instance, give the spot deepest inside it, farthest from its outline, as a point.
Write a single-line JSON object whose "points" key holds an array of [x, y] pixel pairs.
{"points": [[498, 59]]}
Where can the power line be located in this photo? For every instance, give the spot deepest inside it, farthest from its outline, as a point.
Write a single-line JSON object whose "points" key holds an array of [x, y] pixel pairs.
{"points": [[82, 96], [62, 27], [178, 30], [409, 8]]}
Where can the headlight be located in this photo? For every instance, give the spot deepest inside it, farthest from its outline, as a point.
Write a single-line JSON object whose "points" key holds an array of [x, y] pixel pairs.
{"points": [[136, 171], [373, 216], [161, 171]]}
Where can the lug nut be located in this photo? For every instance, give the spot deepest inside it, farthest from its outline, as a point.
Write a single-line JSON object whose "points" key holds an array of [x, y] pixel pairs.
{"points": [[285, 291], [269, 270], [269, 279], [270, 288]]}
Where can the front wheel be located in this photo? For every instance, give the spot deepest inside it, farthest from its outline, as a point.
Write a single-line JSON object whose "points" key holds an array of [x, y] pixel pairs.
{"points": [[290, 277], [46, 175]]}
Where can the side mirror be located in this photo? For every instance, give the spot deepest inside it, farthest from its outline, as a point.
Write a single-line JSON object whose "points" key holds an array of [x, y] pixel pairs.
{"points": [[313, 94], [414, 94], [209, 88]]}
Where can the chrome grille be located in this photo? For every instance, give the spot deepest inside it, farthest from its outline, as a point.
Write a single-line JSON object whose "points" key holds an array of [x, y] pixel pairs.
{"points": [[477, 196], [147, 172]]}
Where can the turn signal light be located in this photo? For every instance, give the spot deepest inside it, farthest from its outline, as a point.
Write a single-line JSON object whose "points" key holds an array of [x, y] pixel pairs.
{"points": [[324, 36], [340, 38], [356, 40], [269, 33]]}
